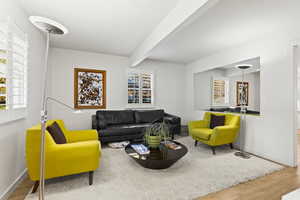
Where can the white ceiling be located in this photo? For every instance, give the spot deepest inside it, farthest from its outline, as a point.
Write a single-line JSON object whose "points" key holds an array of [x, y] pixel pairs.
{"points": [[114, 27], [119, 26], [227, 24]]}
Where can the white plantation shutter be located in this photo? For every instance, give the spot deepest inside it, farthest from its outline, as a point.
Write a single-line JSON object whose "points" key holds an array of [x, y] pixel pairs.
{"points": [[140, 88], [13, 72], [4, 73], [19, 70]]}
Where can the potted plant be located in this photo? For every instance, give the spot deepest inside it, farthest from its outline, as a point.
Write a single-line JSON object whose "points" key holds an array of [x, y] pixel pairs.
{"points": [[155, 134]]}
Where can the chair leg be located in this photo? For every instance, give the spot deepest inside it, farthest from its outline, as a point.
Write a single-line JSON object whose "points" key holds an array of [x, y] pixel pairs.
{"points": [[35, 187], [196, 142], [91, 175], [231, 145], [213, 150]]}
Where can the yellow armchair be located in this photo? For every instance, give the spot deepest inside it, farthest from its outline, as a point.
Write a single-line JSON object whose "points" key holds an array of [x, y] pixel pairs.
{"points": [[80, 154], [220, 135]]}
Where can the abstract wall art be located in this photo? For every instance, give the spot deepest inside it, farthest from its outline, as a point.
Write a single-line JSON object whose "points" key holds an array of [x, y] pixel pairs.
{"points": [[89, 89]]}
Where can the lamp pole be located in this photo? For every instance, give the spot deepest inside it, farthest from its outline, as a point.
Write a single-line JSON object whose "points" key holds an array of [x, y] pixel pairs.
{"points": [[242, 153], [43, 125], [50, 27]]}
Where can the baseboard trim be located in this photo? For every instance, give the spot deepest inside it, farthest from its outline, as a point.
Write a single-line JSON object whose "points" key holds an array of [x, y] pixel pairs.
{"points": [[13, 186], [278, 163]]}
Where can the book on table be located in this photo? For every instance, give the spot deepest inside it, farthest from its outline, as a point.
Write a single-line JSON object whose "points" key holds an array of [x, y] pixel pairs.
{"points": [[172, 145], [140, 149]]}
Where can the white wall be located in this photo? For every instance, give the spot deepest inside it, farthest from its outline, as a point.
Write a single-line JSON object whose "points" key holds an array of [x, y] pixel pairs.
{"points": [[12, 137], [169, 83], [203, 88], [271, 134]]}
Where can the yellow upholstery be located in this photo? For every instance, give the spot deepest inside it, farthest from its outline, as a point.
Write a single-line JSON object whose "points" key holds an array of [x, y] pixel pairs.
{"points": [[81, 153], [203, 133], [200, 131]]}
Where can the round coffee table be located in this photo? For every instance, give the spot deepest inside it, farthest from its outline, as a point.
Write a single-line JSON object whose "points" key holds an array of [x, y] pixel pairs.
{"points": [[160, 158]]}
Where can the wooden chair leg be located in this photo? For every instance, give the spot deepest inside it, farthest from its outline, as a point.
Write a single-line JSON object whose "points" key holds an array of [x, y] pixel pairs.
{"points": [[35, 187], [91, 176], [213, 150], [231, 145], [196, 142]]}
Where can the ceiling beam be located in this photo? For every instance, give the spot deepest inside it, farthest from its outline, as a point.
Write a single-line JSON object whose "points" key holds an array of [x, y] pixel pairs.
{"points": [[181, 14]]}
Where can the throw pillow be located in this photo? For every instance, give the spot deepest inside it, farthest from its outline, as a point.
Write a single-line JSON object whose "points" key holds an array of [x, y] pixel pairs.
{"points": [[56, 133], [217, 120]]}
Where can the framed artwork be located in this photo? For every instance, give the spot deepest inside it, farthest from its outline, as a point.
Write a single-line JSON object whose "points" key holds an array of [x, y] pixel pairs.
{"points": [[220, 91], [242, 93], [89, 89]]}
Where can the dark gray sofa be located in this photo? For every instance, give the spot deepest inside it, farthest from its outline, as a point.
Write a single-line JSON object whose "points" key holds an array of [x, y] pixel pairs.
{"points": [[120, 125]]}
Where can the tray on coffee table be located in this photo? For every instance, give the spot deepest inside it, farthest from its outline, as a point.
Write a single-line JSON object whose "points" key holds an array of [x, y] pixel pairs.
{"points": [[160, 158]]}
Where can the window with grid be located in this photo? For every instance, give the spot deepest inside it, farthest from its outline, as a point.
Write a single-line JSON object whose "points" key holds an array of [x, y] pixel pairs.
{"points": [[13, 69], [140, 88]]}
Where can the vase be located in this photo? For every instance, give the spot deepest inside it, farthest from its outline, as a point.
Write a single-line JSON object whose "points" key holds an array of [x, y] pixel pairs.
{"points": [[153, 141]]}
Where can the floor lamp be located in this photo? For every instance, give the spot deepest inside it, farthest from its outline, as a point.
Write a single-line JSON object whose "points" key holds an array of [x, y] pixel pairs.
{"points": [[50, 27], [242, 153]]}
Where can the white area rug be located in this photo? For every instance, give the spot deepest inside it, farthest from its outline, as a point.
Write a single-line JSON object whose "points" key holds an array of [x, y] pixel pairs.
{"points": [[196, 174]]}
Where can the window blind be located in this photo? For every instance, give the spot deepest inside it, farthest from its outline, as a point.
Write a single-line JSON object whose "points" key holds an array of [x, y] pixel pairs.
{"points": [[13, 67], [140, 88], [19, 70]]}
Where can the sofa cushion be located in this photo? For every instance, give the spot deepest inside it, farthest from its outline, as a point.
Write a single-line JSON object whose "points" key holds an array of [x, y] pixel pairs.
{"points": [[148, 116], [119, 130], [56, 133], [217, 120], [114, 117], [202, 133], [117, 138]]}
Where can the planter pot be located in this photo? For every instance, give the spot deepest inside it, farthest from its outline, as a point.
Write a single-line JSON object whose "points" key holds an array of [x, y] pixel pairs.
{"points": [[153, 141]]}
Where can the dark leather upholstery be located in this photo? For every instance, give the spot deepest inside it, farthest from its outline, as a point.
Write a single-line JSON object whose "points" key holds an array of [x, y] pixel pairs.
{"points": [[149, 116], [120, 125], [114, 117], [125, 129]]}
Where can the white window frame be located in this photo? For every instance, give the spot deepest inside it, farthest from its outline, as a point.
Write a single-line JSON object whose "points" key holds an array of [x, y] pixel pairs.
{"points": [[14, 111], [141, 104]]}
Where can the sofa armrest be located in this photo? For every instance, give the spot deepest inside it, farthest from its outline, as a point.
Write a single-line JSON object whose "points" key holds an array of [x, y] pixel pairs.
{"points": [[224, 134], [94, 122], [198, 124], [82, 135], [171, 119], [78, 156]]}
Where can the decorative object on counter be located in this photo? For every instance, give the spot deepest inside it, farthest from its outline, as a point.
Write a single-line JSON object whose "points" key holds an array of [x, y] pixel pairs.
{"points": [[243, 91], [155, 134], [233, 110], [89, 89]]}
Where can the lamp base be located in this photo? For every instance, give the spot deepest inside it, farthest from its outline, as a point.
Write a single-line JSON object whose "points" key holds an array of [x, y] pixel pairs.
{"points": [[242, 155]]}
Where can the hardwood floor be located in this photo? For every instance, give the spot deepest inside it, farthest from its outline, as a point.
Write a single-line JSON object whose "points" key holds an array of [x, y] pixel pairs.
{"points": [[270, 187], [22, 190]]}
